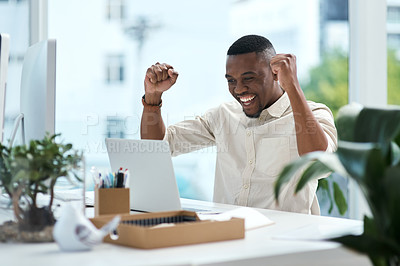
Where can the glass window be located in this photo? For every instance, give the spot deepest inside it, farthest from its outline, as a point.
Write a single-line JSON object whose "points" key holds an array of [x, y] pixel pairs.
{"points": [[393, 14], [115, 127], [193, 36], [115, 9], [14, 20], [393, 43], [115, 68]]}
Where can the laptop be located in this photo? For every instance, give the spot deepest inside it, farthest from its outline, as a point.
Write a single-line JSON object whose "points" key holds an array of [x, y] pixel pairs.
{"points": [[152, 180]]}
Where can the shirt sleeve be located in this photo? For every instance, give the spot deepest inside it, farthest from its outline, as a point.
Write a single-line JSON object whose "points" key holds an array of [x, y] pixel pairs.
{"points": [[325, 118], [190, 135]]}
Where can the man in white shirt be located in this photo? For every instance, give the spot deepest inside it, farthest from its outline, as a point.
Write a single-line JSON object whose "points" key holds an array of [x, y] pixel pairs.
{"points": [[270, 124]]}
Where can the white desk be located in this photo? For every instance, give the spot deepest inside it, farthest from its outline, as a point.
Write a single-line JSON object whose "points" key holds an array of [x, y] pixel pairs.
{"points": [[260, 247]]}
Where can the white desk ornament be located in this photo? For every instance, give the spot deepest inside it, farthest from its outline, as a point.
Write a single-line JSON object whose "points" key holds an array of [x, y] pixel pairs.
{"points": [[74, 232]]}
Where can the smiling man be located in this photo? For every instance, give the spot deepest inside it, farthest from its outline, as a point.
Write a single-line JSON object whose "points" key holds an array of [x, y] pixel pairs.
{"points": [[270, 124]]}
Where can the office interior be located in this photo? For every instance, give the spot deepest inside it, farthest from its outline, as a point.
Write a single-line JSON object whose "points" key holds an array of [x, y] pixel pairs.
{"points": [[104, 48]]}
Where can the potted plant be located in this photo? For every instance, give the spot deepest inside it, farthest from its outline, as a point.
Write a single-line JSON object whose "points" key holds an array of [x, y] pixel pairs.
{"points": [[368, 152], [26, 171]]}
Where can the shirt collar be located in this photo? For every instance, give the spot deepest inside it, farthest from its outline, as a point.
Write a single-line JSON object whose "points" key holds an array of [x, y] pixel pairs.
{"points": [[279, 107]]}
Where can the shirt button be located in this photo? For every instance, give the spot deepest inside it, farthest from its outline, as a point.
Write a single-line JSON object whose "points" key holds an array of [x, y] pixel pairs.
{"points": [[246, 186], [250, 161], [248, 133]]}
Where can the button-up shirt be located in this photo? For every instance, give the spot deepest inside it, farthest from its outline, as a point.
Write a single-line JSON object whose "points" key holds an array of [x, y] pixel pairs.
{"points": [[251, 152]]}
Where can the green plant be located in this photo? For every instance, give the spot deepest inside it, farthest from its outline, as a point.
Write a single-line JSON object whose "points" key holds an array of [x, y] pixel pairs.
{"points": [[26, 171], [327, 82], [368, 152], [337, 198]]}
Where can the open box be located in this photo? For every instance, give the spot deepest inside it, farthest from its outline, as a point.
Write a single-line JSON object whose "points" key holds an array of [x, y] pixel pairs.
{"points": [[165, 229]]}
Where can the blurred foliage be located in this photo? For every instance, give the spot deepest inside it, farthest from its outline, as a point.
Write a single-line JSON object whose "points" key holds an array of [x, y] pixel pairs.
{"points": [[393, 78], [369, 153], [328, 84], [328, 81]]}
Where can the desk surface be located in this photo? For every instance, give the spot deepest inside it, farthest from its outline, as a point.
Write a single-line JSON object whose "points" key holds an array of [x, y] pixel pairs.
{"points": [[260, 246]]}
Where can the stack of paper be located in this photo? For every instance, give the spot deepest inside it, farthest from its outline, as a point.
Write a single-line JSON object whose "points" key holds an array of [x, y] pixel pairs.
{"points": [[252, 218]]}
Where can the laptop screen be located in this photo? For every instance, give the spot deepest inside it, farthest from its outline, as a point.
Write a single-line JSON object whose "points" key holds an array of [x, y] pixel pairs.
{"points": [[152, 180]]}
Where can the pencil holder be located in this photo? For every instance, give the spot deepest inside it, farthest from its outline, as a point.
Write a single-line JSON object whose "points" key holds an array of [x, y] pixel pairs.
{"points": [[111, 201]]}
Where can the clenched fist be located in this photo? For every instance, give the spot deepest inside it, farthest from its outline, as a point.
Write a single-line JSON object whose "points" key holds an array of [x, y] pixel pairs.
{"points": [[285, 69], [159, 78]]}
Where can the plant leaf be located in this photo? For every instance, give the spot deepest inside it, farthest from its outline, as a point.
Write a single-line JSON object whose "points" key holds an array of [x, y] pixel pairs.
{"points": [[323, 184], [292, 168], [363, 161], [346, 121], [391, 187], [330, 160], [382, 119], [395, 153], [314, 170], [340, 200], [397, 139], [377, 248]]}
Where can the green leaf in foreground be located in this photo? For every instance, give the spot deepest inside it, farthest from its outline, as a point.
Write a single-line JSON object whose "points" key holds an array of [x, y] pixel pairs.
{"points": [[340, 200], [328, 162], [324, 185]]}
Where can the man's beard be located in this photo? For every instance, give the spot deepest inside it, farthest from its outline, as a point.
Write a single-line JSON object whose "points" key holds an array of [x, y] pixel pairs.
{"points": [[256, 115]]}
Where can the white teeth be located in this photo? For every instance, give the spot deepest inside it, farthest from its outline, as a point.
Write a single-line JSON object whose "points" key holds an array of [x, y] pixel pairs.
{"points": [[246, 98]]}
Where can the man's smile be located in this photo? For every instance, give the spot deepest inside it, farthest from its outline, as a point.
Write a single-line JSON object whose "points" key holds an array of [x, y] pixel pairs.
{"points": [[247, 99]]}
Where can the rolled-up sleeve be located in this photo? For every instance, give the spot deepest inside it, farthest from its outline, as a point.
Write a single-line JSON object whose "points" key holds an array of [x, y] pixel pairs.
{"points": [[190, 135], [325, 119]]}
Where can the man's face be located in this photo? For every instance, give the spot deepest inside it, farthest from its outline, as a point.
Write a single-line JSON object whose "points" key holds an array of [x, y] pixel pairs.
{"points": [[251, 82]]}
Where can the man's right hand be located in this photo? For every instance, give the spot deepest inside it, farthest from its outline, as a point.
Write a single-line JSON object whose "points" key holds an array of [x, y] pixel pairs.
{"points": [[159, 78]]}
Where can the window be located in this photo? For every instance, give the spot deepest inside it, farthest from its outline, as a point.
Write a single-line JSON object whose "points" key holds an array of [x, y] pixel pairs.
{"points": [[194, 38], [115, 68], [393, 14], [393, 44], [115, 127], [115, 9], [14, 20], [393, 40]]}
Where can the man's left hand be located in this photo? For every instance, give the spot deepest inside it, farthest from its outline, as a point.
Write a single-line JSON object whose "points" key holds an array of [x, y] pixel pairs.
{"points": [[284, 68]]}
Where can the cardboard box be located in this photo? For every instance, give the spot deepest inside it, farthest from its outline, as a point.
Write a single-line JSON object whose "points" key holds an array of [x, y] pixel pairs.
{"points": [[190, 230], [111, 201]]}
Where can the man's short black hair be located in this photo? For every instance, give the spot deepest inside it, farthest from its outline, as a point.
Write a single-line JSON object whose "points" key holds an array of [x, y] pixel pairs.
{"points": [[250, 44]]}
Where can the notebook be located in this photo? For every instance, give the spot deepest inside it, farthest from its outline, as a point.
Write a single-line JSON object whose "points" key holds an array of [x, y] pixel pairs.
{"points": [[152, 180]]}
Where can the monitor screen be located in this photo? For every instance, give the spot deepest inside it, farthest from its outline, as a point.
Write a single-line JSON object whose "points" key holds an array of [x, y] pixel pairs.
{"points": [[4, 57], [38, 84]]}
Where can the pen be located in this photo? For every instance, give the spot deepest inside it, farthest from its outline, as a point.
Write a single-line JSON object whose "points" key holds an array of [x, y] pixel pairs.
{"points": [[120, 179], [101, 182], [126, 174], [113, 177], [96, 176], [108, 181]]}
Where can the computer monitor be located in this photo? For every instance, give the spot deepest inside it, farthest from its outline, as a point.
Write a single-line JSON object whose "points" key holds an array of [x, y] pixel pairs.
{"points": [[37, 94], [4, 57]]}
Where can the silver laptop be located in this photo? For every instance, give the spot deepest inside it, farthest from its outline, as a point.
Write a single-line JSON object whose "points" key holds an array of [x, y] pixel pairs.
{"points": [[152, 180]]}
